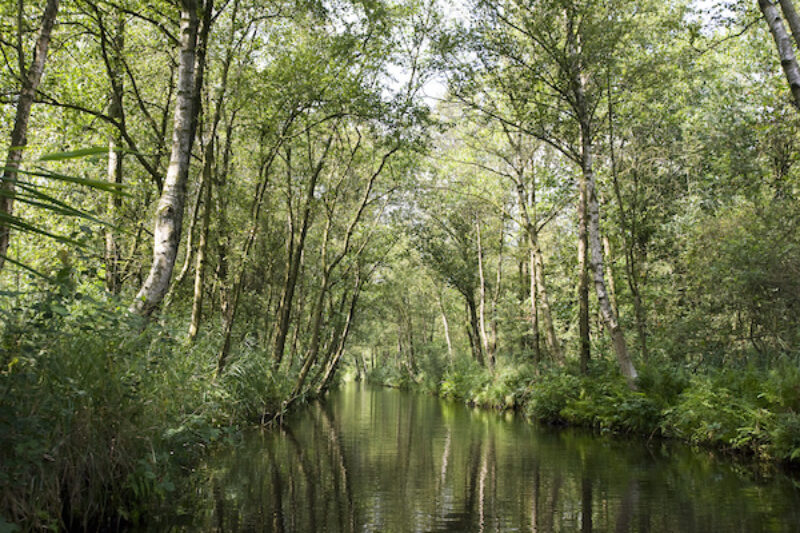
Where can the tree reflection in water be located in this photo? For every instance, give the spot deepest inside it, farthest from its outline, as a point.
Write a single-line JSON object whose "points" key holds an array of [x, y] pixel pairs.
{"points": [[383, 460]]}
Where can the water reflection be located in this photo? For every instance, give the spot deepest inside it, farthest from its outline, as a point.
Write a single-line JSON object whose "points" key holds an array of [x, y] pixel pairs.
{"points": [[381, 460]]}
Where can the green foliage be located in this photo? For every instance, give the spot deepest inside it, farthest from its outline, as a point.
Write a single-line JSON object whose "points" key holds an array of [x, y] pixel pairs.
{"points": [[391, 376], [710, 413], [606, 402], [99, 419], [786, 437], [251, 390], [748, 410], [748, 289], [463, 380]]}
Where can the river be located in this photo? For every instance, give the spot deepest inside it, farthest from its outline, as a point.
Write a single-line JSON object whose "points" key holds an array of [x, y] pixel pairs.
{"points": [[370, 459]]}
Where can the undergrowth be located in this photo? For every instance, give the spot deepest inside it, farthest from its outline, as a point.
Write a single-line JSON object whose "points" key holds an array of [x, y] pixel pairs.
{"points": [[101, 417]]}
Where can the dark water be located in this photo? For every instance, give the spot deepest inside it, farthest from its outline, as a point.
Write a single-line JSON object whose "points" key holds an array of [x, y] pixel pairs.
{"points": [[382, 460]]}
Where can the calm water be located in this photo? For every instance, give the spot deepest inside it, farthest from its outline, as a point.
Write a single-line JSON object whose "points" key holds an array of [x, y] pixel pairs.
{"points": [[382, 460]]}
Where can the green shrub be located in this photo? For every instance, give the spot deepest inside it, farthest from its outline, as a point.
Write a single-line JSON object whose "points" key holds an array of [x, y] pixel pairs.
{"points": [[550, 394], [97, 414], [250, 391], [612, 406], [506, 389], [464, 380], [786, 437], [709, 413]]}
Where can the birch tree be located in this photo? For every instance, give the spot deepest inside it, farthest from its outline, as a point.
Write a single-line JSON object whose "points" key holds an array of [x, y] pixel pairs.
{"points": [[169, 211]]}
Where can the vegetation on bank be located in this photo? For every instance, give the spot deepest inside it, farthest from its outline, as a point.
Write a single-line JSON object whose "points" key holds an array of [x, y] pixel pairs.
{"points": [[103, 419], [749, 410]]}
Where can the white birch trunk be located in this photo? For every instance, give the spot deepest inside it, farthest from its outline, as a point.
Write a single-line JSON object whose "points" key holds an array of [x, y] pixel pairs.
{"points": [[446, 326], [784, 45], [790, 13], [169, 213], [596, 246]]}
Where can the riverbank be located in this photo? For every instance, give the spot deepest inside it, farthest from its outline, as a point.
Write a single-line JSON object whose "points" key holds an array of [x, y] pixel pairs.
{"points": [[747, 410]]}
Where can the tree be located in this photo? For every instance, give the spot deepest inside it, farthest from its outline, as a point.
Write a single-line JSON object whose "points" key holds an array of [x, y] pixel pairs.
{"points": [[553, 54], [169, 213], [30, 77]]}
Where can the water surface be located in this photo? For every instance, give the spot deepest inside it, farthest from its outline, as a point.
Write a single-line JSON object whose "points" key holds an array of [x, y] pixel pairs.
{"points": [[373, 459]]}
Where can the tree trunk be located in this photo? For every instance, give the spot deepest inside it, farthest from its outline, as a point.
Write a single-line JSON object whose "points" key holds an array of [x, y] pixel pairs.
{"points": [[19, 133], [612, 286], [543, 304], [609, 317], [223, 232], [112, 254], [116, 112], [588, 192], [334, 362], [230, 309], [189, 246], [534, 290], [583, 281], [169, 213], [473, 330], [316, 327], [496, 293], [446, 327], [411, 360], [209, 166], [784, 45], [202, 245], [629, 230], [482, 300], [539, 302], [790, 13], [290, 282]]}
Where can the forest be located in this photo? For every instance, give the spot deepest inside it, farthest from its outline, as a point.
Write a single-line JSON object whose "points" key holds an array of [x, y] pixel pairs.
{"points": [[213, 211]]}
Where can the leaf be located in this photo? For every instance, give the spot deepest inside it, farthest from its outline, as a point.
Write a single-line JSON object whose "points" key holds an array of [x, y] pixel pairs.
{"points": [[74, 154], [25, 267], [58, 206], [114, 188], [16, 222], [59, 309]]}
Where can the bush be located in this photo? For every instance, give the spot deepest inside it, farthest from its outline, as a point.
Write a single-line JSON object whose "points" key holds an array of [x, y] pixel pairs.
{"points": [[786, 437], [250, 391], [550, 394], [464, 380], [709, 413]]}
